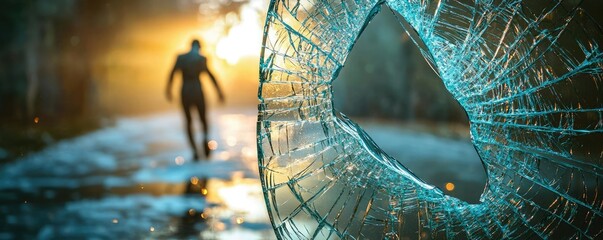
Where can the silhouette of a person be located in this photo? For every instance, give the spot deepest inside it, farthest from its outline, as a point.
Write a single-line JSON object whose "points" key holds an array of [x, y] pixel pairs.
{"points": [[192, 64]]}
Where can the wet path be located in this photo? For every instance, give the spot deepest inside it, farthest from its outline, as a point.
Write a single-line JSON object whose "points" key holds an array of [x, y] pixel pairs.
{"points": [[135, 180]]}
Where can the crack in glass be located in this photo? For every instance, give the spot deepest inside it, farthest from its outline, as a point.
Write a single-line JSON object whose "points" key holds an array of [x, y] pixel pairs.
{"points": [[528, 74]]}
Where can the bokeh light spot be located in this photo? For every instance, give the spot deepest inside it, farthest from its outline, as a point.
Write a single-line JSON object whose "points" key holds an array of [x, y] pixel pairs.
{"points": [[450, 186], [213, 145]]}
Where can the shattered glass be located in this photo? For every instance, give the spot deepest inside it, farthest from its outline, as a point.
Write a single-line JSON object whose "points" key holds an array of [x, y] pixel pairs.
{"points": [[528, 74]]}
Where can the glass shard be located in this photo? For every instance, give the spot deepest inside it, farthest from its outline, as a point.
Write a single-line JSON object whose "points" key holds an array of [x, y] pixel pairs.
{"points": [[528, 74]]}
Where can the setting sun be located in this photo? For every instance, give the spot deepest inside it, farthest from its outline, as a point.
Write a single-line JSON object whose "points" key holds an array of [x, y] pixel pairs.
{"points": [[243, 38]]}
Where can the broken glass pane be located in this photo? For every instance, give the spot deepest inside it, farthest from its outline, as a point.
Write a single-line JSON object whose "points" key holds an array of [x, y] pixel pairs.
{"points": [[528, 74]]}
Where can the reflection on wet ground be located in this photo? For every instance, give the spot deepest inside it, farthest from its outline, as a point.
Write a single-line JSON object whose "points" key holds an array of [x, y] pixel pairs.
{"points": [[200, 208], [136, 180]]}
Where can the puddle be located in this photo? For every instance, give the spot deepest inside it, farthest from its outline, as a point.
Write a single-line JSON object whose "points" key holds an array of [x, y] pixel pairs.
{"points": [[198, 208]]}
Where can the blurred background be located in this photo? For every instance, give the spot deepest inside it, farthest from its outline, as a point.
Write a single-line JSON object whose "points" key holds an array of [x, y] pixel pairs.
{"points": [[90, 148]]}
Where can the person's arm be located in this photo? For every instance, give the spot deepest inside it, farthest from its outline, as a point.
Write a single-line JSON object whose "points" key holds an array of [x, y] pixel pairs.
{"points": [[168, 89], [215, 82]]}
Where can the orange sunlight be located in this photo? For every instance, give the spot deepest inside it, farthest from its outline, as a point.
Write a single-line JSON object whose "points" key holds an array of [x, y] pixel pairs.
{"points": [[135, 70], [243, 39]]}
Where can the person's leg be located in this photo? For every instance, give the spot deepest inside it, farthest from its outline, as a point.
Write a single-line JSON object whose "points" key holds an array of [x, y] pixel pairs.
{"points": [[186, 106], [204, 126]]}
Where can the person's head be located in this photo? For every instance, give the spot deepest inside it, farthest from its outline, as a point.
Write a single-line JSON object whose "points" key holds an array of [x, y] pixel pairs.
{"points": [[196, 45]]}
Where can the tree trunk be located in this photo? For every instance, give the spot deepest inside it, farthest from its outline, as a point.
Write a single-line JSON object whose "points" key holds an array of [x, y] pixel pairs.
{"points": [[31, 62]]}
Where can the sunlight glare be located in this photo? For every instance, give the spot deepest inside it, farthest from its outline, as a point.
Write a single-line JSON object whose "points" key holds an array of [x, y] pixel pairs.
{"points": [[243, 38]]}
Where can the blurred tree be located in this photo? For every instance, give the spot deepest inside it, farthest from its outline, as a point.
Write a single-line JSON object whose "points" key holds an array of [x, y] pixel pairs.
{"points": [[27, 53], [51, 52]]}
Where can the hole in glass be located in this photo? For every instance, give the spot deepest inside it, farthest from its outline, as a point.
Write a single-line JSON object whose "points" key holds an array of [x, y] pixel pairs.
{"points": [[389, 88]]}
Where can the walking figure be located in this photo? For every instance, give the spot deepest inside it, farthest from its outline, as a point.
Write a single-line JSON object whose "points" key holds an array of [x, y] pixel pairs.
{"points": [[191, 65]]}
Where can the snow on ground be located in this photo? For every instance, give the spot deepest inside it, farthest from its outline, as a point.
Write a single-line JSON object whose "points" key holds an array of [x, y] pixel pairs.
{"points": [[147, 149]]}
